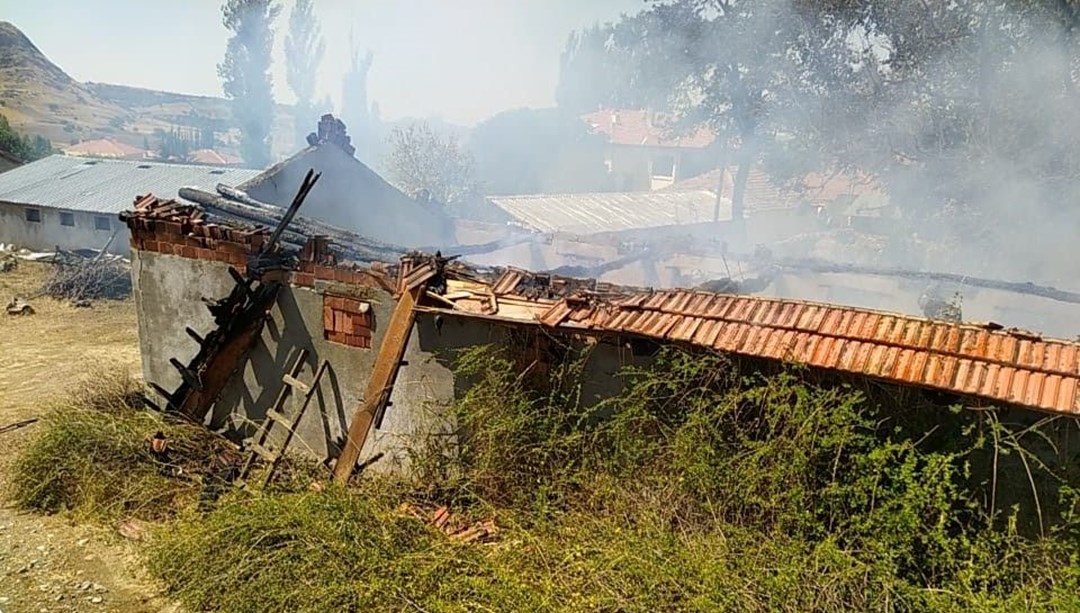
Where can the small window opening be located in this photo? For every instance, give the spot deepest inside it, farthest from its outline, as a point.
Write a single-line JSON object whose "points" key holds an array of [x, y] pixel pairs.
{"points": [[664, 166], [33, 215], [67, 219], [102, 223]]}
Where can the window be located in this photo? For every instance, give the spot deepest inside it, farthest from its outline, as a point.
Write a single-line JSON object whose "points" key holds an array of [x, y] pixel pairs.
{"points": [[663, 166], [67, 219], [101, 223], [33, 215]]}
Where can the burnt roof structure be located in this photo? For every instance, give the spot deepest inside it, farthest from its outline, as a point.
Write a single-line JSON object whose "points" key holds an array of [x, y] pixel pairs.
{"points": [[977, 363]]}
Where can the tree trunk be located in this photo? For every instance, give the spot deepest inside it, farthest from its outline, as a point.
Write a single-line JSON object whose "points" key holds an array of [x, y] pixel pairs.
{"points": [[745, 160]]}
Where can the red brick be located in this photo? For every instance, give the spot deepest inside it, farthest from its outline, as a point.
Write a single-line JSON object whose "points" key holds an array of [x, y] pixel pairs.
{"points": [[342, 275], [306, 279], [150, 245], [204, 254], [308, 267], [189, 252], [324, 273]]}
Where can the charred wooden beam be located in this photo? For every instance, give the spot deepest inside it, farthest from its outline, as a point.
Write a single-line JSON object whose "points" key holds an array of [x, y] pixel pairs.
{"points": [[194, 335], [165, 394], [222, 353], [189, 376], [381, 383]]}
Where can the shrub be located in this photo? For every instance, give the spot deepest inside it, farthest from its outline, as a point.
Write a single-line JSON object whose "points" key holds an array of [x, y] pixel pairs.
{"points": [[91, 455]]}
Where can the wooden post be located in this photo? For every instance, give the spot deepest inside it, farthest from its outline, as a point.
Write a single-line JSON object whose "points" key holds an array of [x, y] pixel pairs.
{"points": [[381, 383]]}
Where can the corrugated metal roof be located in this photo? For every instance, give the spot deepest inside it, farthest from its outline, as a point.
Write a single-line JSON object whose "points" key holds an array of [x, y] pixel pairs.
{"points": [[594, 213], [106, 186]]}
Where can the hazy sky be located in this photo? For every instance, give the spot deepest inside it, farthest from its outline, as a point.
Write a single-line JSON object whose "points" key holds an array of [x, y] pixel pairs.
{"points": [[462, 60]]}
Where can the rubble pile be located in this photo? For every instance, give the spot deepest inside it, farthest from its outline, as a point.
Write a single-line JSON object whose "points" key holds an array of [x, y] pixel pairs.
{"points": [[81, 279]]}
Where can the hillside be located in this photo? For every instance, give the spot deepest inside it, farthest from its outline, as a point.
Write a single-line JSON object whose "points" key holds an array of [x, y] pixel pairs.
{"points": [[38, 97]]}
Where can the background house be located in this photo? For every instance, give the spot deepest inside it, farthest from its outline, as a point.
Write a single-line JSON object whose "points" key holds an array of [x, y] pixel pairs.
{"points": [[211, 157], [645, 152], [106, 148], [580, 232], [73, 203], [351, 195]]}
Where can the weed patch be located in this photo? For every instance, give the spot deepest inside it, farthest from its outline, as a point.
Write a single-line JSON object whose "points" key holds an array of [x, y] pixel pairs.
{"points": [[92, 456]]}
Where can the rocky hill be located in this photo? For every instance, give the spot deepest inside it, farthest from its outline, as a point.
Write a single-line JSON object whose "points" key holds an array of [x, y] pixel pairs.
{"points": [[38, 97]]}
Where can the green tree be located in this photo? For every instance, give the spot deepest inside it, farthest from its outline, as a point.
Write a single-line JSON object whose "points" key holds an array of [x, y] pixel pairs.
{"points": [[427, 165], [245, 74], [304, 49], [174, 145], [26, 148], [354, 106], [528, 151]]}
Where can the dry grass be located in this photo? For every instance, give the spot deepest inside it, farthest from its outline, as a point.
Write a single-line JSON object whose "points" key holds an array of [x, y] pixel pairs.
{"points": [[91, 454], [43, 354]]}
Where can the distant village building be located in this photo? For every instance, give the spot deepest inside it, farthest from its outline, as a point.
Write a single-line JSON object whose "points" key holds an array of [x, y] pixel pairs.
{"points": [[580, 232], [106, 148], [646, 151], [211, 157], [73, 203]]}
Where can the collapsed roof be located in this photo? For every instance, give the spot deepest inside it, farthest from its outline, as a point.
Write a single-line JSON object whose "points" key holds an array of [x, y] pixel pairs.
{"points": [[982, 363]]}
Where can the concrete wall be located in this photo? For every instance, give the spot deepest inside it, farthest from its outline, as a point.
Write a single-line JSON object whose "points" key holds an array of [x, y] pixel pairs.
{"points": [[632, 167], [47, 234], [168, 292]]}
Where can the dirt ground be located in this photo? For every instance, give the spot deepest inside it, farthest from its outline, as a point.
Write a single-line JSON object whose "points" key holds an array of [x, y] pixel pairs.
{"points": [[48, 563]]}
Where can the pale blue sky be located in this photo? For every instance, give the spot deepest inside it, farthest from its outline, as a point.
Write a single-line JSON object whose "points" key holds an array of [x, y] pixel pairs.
{"points": [[462, 60]]}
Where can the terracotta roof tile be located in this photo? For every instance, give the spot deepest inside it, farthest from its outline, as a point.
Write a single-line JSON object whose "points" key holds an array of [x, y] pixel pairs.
{"points": [[639, 128]]}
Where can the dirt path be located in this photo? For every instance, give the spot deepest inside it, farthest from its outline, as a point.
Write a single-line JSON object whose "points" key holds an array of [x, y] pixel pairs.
{"points": [[48, 563]]}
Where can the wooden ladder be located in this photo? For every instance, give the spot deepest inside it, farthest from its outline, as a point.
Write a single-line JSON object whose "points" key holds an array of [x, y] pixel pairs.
{"points": [[259, 445]]}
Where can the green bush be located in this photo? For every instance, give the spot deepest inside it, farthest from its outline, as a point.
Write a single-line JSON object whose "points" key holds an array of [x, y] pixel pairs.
{"points": [[697, 488]]}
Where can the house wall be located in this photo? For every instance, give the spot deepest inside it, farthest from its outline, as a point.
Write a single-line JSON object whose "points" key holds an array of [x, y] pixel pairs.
{"points": [[639, 169], [168, 289], [48, 233]]}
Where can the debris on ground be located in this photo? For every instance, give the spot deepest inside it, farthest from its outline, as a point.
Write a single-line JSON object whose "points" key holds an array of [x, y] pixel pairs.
{"points": [[8, 262], [133, 529], [18, 306], [453, 526], [81, 279], [19, 424]]}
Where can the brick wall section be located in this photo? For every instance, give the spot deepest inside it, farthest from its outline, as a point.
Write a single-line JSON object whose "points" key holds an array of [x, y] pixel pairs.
{"points": [[173, 228], [347, 321]]}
